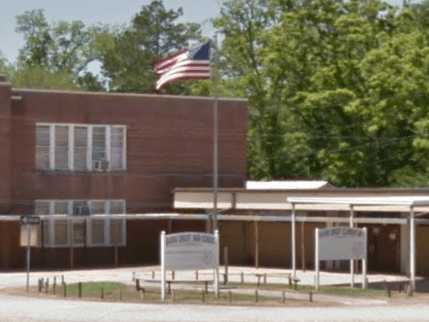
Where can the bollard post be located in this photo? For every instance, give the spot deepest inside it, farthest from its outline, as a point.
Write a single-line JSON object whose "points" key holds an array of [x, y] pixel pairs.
{"points": [[173, 296], [173, 275], [203, 296], [256, 296], [229, 296], [388, 290], [120, 294], [102, 293], [196, 275], [47, 286], [133, 276], [310, 296], [137, 285], [226, 264], [265, 278], [410, 290], [54, 286], [283, 297], [65, 289], [153, 275], [242, 277], [40, 285], [79, 289], [169, 287], [62, 279], [206, 287]]}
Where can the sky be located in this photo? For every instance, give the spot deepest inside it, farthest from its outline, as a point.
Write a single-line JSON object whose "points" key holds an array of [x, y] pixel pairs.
{"points": [[95, 11]]}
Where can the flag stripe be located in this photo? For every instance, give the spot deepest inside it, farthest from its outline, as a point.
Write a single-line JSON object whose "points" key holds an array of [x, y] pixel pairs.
{"points": [[184, 69], [184, 63], [170, 59], [182, 76], [189, 64]]}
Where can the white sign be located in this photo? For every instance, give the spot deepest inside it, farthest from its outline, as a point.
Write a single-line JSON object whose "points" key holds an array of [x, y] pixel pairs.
{"points": [[191, 251], [342, 243]]}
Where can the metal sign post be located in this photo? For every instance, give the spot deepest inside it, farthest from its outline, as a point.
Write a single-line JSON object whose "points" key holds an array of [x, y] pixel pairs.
{"points": [[27, 284], [29, 221], [162, 249]]}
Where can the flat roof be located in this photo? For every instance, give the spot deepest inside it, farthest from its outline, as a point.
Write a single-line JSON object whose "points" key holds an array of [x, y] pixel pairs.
{"points": [[137, 95], [286, 184], [332, 189]]}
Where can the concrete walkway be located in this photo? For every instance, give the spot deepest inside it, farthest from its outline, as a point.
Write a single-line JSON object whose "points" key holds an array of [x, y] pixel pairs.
{"points": [[125, 275]]}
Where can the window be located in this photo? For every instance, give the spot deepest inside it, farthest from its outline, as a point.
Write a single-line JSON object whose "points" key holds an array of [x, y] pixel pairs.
{"points": [[116, 157], [61, 148], [98, 145], [42, 147], [79, 207], [75, 147], [75, 223], [80, 149]]}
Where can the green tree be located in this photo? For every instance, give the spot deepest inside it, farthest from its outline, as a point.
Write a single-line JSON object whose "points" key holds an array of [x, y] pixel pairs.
{"points": [[59, 48], [40, 78], [128, 55], [5, 67], [336, 88]]}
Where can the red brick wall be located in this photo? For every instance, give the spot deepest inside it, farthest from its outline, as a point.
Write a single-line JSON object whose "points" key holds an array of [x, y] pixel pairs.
{"points": [[169, 145], [5, 147]]}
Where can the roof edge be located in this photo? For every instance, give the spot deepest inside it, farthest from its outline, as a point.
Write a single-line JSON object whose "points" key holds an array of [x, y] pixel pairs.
{"points": [[75, 92]]}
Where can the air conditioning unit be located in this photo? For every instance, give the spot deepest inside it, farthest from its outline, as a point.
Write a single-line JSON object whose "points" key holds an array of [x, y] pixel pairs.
{"points": [[101, 165], [81, 211]]}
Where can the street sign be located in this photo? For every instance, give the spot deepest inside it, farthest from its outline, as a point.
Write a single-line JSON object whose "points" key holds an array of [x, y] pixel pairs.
{"points": [[30, 220], [29, 223]]}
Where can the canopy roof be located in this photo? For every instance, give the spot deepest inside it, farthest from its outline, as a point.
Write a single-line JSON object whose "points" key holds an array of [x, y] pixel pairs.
{"points": [[332, 199], [410, 201]]}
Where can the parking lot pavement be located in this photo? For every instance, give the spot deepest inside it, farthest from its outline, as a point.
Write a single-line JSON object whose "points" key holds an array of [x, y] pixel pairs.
{"points": [[25, 309]]}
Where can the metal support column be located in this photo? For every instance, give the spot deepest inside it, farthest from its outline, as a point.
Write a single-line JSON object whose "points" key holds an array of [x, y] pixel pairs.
{"points": [[293, 240]]}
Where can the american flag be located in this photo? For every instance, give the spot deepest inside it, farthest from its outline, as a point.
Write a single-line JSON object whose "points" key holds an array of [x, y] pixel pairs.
{"points": [[191, 63]]}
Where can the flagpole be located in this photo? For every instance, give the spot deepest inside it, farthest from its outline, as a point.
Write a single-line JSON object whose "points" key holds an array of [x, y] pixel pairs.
{"points": [[214, 78]]}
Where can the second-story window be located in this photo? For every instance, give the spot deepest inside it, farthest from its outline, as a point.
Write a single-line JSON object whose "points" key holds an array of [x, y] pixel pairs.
{"points": [[80, 147]]}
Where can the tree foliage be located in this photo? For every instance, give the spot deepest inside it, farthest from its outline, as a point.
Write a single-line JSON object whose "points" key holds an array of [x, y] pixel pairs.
{"points": [[61, 49], [337, 89], [129, 54]]}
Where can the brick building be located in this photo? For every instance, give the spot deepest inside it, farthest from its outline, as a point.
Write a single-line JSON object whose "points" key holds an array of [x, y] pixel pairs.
{"points": [[75, 153]]}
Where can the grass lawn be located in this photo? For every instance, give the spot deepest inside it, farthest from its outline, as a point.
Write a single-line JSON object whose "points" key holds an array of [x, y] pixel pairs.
{"points": [[111, 291], [332, 290]]}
